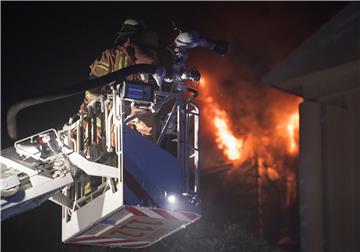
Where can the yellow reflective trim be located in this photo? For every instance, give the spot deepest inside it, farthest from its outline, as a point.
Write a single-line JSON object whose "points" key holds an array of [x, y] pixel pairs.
{"points": [[103, 67], [89, 96], [126, 62], [87, 188], [98, 122], [104, 64], [121, 62]]}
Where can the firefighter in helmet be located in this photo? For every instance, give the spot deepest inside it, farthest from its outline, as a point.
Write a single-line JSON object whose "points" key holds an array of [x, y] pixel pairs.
{"points": [[135, 44]]}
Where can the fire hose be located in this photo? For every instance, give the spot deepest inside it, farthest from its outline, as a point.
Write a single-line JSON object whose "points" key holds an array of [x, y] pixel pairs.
{"points": [[62, 93]]}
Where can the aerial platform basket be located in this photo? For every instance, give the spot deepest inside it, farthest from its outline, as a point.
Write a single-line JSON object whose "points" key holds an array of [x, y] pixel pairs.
{"points": [[148, 205], [116, 187], [121, 189]]}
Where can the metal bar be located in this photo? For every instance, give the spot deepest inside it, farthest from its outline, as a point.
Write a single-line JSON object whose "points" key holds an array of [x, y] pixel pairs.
{"points": [[181, 144], [196, 147], [102, 117], [93, 125], [72, 140], [108, 131], [80, 134], [75, 188], [108, 118], [118, 122], [106, 115], [166, 126], [121, 137], [115, 121], [186, 145], [164, 101]]}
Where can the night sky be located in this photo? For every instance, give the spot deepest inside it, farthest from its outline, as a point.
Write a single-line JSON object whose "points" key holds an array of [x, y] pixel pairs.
{"points": [[47, 45]]}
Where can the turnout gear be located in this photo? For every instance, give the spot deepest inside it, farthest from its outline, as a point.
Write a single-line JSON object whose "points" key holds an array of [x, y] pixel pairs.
{"points": [[131, 51], [119, 57]]}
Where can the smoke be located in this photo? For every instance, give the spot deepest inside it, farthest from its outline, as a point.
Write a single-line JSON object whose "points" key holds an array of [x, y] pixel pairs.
{"points": [[260, 35]]}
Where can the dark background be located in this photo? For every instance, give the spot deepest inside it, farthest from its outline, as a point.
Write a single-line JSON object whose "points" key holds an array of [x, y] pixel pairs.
{"points": [[47, 45]]}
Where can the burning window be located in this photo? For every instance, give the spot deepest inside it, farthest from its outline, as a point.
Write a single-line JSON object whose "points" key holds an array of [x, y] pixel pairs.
{"points": [[254, 129]]}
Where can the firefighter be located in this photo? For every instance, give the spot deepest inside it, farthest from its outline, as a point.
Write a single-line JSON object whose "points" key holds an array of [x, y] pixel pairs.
{"points": [[135, 44]]}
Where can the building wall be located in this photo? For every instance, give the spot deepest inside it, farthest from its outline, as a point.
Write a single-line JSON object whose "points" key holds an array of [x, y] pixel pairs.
{"points": [[310, 177], [341, 142], [330, 173]]}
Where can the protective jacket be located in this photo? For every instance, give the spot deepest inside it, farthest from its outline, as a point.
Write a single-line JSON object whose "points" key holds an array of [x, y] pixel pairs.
{"points": [[119, 57], [115, 59]]}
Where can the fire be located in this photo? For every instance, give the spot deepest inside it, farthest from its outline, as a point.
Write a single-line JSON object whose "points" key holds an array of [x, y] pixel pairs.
{"points": [[252, 132], [234, 146], [225, 139], [267, 135], [293, 128]]}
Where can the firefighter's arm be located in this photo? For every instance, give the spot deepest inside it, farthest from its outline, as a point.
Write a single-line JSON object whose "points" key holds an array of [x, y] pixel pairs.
{"points": [[102, 65]]}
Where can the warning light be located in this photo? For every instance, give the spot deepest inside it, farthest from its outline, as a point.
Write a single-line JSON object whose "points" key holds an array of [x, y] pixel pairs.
{"points": [[171, 199]]}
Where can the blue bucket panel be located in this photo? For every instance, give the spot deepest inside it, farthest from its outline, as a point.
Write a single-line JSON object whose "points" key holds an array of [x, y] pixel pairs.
{"points": [[149, 171]]}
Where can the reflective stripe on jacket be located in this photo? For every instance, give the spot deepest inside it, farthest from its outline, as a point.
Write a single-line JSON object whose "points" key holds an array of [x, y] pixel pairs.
{"points": [[115, 59], [110, 60]]}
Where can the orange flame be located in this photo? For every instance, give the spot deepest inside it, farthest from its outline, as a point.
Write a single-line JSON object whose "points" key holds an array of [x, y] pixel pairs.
{"points": [[225, 139], [293, 128], [267, 145], [233, 146]]}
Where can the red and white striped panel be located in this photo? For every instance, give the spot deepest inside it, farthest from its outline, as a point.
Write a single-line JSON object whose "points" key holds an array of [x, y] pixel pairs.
{"points": [[163, 214], [135, 227], [108, 241]]}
